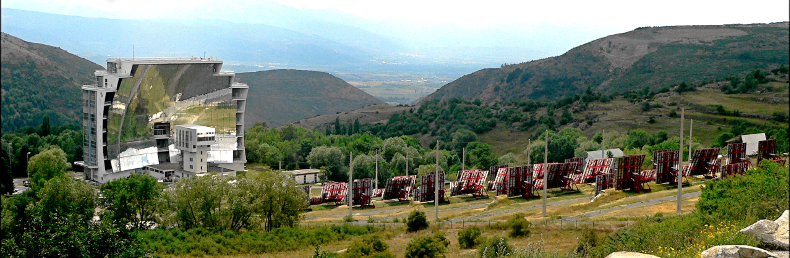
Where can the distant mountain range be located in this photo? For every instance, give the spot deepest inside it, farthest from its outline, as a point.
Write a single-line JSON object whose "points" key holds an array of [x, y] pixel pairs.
{"points": [[39, 80], [653, 58], [276, 42]]}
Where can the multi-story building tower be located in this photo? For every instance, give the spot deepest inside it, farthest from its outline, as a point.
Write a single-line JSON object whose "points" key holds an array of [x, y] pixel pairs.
{"points": [[130, 113]]}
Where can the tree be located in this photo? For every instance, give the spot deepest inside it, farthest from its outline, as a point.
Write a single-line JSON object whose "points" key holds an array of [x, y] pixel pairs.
{"points": [[47, 164], [331, 158], [132, 200], [566, 117], [462, 137], [337, 126], [60, 225], [519, 227], [270, 198], [416, 221], [470, 237], [508, 158], [480, 155], [280, 200], [638, 138], [364, 166], [427, 246], [45, 127], [6, 178]]}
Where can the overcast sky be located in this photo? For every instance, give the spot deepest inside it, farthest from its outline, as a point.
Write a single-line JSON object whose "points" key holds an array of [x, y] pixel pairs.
{"points": [[549, 27], [630, 14]]}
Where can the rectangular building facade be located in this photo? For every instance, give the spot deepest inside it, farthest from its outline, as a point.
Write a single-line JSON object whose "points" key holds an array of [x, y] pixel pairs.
{"points": [[130, 117]]}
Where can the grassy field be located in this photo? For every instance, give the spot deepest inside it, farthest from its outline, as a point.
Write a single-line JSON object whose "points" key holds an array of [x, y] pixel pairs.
{"points": [[463, 211]]}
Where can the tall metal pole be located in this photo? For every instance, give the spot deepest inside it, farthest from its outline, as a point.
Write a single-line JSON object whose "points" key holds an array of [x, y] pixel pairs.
{"points": [[436, 184], [407, 162], [691, 127], [680, 161], [27, 167], [545, 171], [463, 159], [281, 166], [350, 195]]}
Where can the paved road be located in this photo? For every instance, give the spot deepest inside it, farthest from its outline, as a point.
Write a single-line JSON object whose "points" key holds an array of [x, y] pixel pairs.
{"points": [[633, 205]]}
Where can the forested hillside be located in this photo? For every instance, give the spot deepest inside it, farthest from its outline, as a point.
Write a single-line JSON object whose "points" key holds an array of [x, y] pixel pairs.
{"points": [[39, 80], [646, 58], [278, 97]]}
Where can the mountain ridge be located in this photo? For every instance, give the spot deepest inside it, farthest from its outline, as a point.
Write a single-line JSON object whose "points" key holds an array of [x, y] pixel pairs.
{"points": [[652, 57], [39, 80], [287, 95]]}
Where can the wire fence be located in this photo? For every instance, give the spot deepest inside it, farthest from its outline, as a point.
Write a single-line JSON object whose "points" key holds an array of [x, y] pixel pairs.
{"points": [[545, 225]]}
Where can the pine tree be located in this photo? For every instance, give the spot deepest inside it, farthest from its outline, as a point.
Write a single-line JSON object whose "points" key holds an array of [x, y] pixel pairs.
{"points": [[337, 125], [45, 128]]}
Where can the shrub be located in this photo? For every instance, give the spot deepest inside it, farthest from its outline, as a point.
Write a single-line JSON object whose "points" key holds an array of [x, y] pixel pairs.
{"points": [[519, 227], [370, 246], [427, 246], [495, 247], [673, 114], [588, 241], [416, 221], [761, 193], [470, 237]]}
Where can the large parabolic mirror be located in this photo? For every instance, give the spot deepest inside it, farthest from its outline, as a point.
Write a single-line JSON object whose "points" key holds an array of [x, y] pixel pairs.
{"points": [[174, 93]]}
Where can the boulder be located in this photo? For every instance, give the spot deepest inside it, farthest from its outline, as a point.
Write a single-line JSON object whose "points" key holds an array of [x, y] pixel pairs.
{"points": [[630, 255], [773, 234], [736, 251]]}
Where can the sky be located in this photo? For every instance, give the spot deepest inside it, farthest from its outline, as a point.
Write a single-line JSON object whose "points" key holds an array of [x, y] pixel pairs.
{"points": [[629, 14], [547, 27]]}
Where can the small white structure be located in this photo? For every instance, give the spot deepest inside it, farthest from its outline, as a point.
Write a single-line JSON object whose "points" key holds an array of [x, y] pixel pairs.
{"points": [[306, 176], [752, 142], [616, 153], [194, 141]]}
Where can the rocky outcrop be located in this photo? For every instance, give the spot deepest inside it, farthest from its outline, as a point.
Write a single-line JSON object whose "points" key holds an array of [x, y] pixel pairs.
{"points": [[772, 234], [736, 251], [630, 255]]}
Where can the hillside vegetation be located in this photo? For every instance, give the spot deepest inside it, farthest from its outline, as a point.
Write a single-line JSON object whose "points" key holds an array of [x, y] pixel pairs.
{"points": [[278, 97], [40, 80], [651, 57]]}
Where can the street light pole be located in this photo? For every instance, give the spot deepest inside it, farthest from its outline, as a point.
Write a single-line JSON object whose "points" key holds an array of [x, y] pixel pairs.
{"points": [[27, 164]]}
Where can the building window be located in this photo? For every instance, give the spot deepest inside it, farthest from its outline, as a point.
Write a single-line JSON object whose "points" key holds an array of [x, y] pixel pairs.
{"points": [[190, 166], [190, 159]]}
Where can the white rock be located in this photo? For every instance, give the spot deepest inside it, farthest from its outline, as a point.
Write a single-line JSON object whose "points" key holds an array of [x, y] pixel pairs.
{"points": [[630, 255], [782, 231], [736, 251], [771, 233]]}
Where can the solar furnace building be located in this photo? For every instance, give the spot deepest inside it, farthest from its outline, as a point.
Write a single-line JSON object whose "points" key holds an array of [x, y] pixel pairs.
{"points": [[168, 117]]}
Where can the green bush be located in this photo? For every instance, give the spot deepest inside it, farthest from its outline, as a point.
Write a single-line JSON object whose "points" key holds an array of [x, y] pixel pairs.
{"points": [[762, 193], [416, 221], [201, 241], [725, 206], [427, 246], [519, 227], [370, 246], [495, 247], [588, 241], [470, 237]]}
